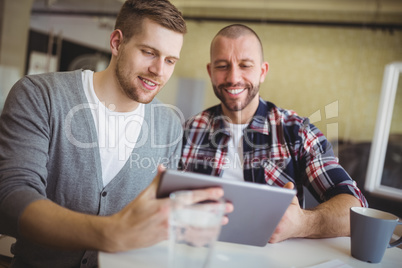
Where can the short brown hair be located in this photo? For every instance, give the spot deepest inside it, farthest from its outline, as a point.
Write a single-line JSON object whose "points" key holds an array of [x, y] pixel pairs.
{"points": [[133, 12]]}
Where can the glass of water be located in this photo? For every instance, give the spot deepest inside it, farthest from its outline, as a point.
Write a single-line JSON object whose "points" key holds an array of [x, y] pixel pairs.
{"points": [[194, 228]]}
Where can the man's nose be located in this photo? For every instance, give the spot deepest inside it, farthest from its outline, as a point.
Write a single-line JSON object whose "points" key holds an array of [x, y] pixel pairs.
{"points": [[233, 75], [156, 67]]}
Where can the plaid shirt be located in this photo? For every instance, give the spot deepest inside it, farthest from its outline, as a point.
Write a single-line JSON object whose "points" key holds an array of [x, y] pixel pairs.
{"points": [[278, 147]]}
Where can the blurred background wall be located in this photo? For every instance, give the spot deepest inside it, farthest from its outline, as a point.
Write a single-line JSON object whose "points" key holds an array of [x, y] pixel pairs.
{"points": [[312, 68]]}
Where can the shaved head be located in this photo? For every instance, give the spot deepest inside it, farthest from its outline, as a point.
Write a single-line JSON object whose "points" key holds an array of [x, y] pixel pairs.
{"points": [[235, 31]]}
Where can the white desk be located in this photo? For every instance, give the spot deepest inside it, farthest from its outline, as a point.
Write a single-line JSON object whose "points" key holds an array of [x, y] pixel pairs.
{"points": [[290, 253]]}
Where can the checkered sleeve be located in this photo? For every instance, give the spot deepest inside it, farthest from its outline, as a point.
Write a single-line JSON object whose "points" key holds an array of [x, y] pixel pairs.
{"points": [[325, 176]]}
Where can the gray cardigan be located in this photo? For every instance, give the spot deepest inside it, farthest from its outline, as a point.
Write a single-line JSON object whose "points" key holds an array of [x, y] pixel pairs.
{"points": [[48, 149]]}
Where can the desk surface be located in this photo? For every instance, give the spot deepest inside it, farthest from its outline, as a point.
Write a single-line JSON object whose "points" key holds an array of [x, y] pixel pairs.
{"points": [[289, 253]]}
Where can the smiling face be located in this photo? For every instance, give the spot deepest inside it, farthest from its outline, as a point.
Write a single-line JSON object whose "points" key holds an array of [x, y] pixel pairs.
{"points": [[236, 71], [146, 62]]}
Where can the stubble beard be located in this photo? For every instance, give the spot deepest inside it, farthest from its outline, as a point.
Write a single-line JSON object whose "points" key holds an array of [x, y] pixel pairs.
{"points": [[235, 106], [127, 87]]}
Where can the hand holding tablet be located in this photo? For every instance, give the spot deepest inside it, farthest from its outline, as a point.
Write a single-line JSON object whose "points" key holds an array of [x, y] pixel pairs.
{"points": [[258, 208]]}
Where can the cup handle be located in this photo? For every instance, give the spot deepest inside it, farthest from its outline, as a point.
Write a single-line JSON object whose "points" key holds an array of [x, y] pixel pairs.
{"points": [[397, 242]]}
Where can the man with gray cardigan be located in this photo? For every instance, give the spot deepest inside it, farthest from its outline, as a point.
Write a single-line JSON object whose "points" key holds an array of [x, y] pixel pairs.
{"points": [[79, 150]]}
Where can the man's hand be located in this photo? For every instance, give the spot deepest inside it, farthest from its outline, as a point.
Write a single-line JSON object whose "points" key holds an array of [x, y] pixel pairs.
{"points": [[145, 221], [291, 224], [328, 219]]}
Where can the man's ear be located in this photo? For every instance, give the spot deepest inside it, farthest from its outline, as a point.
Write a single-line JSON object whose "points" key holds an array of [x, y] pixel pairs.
{"points": [[209, 69], [116, 39], [264, 71]]}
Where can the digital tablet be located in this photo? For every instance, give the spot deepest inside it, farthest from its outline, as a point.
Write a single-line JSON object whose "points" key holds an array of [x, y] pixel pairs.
{"points": [[258, 208]]}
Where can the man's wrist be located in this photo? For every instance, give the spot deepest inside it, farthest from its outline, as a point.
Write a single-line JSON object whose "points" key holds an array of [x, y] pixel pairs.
{"points": [[311, 228]]}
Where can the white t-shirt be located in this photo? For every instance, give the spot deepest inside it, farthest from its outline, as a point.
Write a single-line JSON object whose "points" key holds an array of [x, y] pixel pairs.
{"points": [[233, 168], [117, 132]]}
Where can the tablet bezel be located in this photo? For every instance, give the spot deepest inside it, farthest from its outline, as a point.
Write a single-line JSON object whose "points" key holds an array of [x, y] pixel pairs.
{"points": [[258, 208]]}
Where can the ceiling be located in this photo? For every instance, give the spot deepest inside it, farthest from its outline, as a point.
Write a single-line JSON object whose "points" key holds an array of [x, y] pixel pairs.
{"points": [[345, 12]]}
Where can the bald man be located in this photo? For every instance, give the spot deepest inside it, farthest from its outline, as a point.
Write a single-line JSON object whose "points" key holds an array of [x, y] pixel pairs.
{"points": [[246, 138]]}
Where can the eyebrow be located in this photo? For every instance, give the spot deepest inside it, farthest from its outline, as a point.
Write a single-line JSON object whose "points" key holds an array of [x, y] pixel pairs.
{"points": [[226, 61], [158, 51]]}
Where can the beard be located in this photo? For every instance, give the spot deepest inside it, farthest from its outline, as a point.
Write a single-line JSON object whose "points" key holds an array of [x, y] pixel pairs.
{"points": [[235, 105], [127, 80]]}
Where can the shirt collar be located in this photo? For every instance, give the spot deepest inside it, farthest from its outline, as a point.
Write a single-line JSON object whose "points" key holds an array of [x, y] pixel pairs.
{"points": [[218, 123], [259, 123]]}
